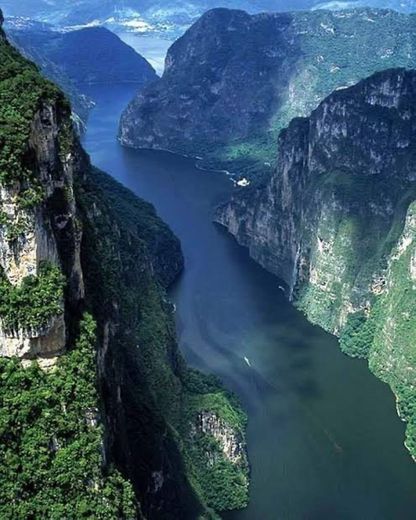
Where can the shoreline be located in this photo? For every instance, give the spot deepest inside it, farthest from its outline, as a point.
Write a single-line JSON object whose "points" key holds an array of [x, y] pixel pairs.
{"points": [[195, 158]]}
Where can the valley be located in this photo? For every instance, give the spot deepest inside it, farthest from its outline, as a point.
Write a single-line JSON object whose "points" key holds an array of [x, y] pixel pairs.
{"points": [[314, 438]]}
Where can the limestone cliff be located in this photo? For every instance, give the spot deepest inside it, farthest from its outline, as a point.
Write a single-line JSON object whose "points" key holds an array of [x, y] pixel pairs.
{"points": [[51, 433], [332, 223], [231, 443], [38, 218], [233, 81]]}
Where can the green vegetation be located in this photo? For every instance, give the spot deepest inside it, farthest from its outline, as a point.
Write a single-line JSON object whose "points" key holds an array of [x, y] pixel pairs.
{"points": [[358, 334], [324, 51], [51, 438], [385, 332], [51, 441], [139, 218], [393, 353], [205, 393], [223, 484], [66, 138], [353, 213], [34, 302], [253, 158], [358, 240]]}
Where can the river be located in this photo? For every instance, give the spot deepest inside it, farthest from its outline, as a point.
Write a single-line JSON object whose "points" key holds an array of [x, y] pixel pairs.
{"points": [[323, 436]]}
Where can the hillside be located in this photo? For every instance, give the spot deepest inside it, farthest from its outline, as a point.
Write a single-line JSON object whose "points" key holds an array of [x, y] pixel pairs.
{"points": [[76, 59]]}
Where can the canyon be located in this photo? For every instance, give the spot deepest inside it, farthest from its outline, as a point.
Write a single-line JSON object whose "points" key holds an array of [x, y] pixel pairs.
{"points": [[124, 376], [336, 223], [327, 206]]}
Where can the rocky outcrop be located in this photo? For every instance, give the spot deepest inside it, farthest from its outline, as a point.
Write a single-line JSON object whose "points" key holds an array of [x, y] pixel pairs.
{"points": [[229, 440], [332, 222], [233, 81], [44, 343]]}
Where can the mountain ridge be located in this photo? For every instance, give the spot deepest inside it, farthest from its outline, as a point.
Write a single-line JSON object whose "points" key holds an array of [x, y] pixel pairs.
{"points": [[76, 59], [168, 19], [234, 80]]}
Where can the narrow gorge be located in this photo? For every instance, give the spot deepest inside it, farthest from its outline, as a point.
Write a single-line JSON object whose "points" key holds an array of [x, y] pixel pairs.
{"points": [[172, 332], [328, 205]]}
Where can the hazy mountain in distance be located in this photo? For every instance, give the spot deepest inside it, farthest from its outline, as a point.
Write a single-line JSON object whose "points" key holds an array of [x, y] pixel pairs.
{"points": [[73, 59], [169, 17]]}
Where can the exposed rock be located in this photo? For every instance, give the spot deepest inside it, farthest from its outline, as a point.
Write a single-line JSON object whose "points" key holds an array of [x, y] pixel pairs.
{"points": [[46, 343], [50, 233], [229, 440]]}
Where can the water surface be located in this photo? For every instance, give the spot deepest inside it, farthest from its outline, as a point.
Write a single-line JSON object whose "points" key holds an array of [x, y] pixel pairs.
{"points": [[324, 439]]}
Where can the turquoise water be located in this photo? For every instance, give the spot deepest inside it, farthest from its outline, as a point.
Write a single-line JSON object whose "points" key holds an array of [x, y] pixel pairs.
{"points": [[324, 439]]}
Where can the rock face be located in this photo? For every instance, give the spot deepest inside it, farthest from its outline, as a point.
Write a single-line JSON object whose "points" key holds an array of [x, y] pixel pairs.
{"points": [[332, 222], [230, 443], [234, 80], [36, 231], [199, 98]]}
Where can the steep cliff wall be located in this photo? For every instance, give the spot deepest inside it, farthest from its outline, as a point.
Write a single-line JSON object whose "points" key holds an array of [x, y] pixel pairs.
{"points": [[98, 408], [233, 81], [51, 436], [38, 213], [332, 223]]}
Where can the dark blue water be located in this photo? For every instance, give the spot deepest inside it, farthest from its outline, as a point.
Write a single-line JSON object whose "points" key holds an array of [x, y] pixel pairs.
{"points": [[324, 439]]}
